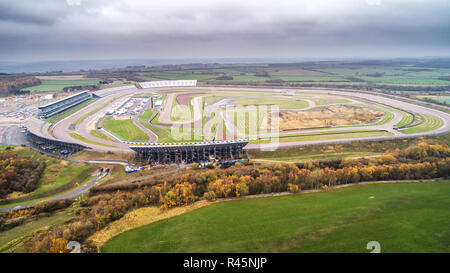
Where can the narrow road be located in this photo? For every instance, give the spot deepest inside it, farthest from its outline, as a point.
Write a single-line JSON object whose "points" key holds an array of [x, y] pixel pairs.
{"points": [[67, 195], [142, 177], [85, 188]]}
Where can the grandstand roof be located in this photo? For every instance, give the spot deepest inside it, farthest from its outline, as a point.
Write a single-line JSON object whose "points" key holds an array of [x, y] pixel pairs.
{"points": [[177, 83], [63, 99]]}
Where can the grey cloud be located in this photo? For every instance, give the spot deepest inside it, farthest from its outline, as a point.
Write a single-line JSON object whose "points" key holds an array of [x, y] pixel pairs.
{"points": [[42, 12], [232, 28]]}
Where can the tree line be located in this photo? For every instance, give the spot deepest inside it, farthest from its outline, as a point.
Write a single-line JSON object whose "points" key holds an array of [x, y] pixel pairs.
{"points": [[106, 204], [18, 173]]}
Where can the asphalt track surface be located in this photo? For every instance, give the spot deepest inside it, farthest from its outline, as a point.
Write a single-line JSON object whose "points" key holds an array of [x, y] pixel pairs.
{"points": [[152, 136], [61, 129]]}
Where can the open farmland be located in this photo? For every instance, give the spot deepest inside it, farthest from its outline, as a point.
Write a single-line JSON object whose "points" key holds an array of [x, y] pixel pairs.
{"points": [[59, 85], [341, 220], [357, 76]]}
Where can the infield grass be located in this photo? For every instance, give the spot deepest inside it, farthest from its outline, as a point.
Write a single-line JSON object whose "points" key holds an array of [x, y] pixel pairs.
{"points": [[79, 137], [428, 123], [324, 136], [101, 135], [125, 129]]}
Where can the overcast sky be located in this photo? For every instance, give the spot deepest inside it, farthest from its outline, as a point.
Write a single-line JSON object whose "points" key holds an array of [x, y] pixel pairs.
{"points": [[128, 29]]}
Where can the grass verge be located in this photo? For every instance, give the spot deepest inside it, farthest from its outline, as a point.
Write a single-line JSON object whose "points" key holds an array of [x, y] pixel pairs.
{"points": [[429, 123], [77, 136], [101, 135]]}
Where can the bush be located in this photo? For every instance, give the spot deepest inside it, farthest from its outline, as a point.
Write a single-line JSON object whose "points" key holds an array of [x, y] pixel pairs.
{"points": [[293, 188], [210, 196], [18, 172], [50, 205]]}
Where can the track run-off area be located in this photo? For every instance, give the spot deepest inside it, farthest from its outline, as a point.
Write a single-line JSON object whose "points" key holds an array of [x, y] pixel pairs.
{"points": [[210, 118]]}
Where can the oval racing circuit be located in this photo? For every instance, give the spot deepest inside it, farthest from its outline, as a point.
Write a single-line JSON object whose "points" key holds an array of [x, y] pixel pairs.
{"points": [[63, 129]]}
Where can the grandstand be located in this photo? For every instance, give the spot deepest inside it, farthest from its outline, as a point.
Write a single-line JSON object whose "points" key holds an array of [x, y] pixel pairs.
{"points": [[108, 91], [179, 83], [190, 152], [38, 134], [53, 108]]}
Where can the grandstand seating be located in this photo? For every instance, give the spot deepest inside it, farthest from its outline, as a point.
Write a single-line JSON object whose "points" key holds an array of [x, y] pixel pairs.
{"points": [[53, 108]]}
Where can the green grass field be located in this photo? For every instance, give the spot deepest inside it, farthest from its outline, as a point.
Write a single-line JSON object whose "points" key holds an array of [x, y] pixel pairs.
{"points": [[392, 75], [58, 85], [403, 217], [325, 100], [125, 129], [407, 119], [79, 137], [324, 136], [387, 117], [101, 135], [246, 120], [428, 123], [147, 114], [162, 132], [282, 103], [165, 134]]}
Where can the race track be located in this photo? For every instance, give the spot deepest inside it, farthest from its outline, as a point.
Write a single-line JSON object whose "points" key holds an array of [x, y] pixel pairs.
{"points": [[62, 131]]}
